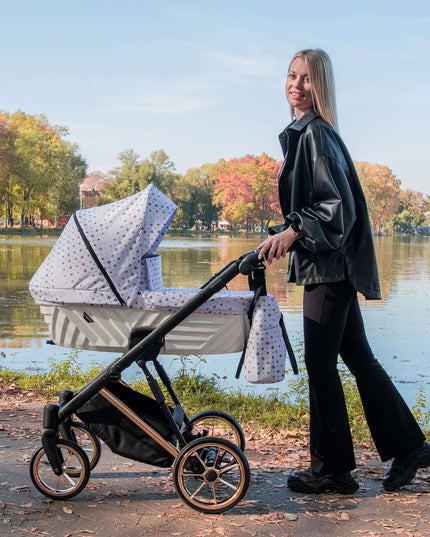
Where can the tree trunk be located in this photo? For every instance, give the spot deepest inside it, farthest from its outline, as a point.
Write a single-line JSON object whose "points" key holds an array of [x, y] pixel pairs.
{"points": [[9, 219]]}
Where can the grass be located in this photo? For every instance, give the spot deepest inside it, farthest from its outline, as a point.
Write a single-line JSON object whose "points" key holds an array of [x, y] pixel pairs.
{"points": [[67, 373], [30, 231], [286, 411]]}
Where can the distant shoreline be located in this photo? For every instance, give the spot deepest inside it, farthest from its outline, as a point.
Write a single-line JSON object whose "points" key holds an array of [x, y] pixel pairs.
{"points": [[56, 231], [31, 231], [51, 231]]}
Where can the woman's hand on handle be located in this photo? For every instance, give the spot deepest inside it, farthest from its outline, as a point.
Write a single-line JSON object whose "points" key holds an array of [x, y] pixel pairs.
{"points": [[278, 245]]}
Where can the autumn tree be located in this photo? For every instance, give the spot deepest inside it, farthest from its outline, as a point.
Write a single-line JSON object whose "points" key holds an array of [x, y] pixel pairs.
{"points": [[31, 149], [382, 189], [232, 191], [427, 208], [411, 211], [96, 181], [247, 190], [43, 169], [264, 187], [8, 168]]}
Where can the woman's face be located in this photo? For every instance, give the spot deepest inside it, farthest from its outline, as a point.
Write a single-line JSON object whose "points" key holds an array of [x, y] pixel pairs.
{"points": [[299, 87]]}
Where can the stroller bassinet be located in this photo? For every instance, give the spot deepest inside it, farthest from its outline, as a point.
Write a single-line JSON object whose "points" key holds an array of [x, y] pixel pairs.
{"points": [[102, 279]]}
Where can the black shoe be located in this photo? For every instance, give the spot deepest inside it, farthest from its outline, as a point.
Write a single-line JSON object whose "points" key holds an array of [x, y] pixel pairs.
{"points": [[403, 471], [311, 483]]}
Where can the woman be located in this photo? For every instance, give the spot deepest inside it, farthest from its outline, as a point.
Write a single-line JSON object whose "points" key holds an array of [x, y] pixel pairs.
{"points": [[328, 232]]}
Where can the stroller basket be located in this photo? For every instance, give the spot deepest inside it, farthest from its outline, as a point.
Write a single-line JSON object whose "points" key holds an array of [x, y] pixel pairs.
{"points": [[123, 436]]}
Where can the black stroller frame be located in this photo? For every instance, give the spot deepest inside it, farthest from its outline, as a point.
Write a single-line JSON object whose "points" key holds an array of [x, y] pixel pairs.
{"points": [[211, 473]]}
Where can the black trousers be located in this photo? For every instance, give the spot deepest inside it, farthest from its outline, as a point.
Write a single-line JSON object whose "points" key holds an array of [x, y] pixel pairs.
{"points": [[333, 326]]}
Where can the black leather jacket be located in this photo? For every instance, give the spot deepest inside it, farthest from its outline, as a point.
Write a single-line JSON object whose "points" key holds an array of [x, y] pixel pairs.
{"points": [[319, 191]]}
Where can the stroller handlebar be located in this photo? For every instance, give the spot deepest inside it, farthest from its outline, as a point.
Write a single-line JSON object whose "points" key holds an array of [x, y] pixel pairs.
{"points": [[248, 262]]}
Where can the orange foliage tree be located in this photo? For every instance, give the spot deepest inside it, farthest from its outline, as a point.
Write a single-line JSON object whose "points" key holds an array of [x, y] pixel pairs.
{"points": [[247, 189], [382, 190]]}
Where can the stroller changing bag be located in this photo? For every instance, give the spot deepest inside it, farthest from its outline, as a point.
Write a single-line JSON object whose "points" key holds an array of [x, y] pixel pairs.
{"points": [[266, 350], [122, 435]]}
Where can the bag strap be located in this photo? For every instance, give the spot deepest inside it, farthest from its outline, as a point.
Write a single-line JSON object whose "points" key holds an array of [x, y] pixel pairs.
{"points": [[97, 261], [290, 351]]}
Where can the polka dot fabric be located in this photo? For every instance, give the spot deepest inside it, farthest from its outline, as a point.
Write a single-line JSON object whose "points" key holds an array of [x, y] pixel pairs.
{"points": [[124, 236], [152, 279], [222, 303], [266, 350]]}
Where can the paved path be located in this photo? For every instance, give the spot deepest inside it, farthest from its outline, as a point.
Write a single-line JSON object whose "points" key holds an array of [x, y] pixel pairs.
{"points": [[125, 498]]}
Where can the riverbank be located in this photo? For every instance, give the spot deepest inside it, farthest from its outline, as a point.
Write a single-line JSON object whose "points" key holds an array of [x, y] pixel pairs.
{"points": [[133, 499], [288, 409]]}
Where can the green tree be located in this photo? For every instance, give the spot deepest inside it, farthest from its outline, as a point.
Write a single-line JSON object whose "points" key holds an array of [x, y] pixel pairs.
{"points": [[133, 175], [126, 178], [186, 197], [68, 172], [209, 210], [162, 171], [194, 194]]}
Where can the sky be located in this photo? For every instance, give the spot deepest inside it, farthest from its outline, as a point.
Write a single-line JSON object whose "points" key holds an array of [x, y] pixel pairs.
{"points": [[205, 79]]}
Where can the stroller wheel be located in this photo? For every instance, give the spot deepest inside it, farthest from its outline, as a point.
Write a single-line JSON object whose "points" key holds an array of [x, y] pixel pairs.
{"points": [[211, 474], [75, 466], [218, 424], [82, 435]]}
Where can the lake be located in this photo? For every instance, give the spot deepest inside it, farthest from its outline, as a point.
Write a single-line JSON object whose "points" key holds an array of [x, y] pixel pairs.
{"points": [[397, 326]]}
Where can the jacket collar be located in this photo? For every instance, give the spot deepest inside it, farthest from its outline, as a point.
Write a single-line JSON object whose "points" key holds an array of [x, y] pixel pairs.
{"points": [[299, 124]]}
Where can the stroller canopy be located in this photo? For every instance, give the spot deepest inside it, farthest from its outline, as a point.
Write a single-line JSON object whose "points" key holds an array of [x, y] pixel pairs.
{"points": [[98, 257]]}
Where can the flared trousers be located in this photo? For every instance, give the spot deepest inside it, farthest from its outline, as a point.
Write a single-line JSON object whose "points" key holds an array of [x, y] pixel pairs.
{"points": [[333, 327]]}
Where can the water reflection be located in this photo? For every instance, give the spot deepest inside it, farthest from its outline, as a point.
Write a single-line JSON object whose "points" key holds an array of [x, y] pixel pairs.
{"points": [[397, 326]]}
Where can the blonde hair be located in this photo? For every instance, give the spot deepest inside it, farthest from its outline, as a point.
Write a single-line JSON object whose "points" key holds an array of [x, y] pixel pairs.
{"points": [[321, 74]]}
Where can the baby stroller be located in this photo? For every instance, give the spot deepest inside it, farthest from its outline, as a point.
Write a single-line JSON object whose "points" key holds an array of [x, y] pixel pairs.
{"points": [[100, 288]]}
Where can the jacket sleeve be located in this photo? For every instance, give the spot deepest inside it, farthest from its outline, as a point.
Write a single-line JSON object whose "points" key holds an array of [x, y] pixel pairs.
{"points": [[328, 220]]}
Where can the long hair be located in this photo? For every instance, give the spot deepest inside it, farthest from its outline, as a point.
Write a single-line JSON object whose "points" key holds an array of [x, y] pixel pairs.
{"points": [[321, 74]]}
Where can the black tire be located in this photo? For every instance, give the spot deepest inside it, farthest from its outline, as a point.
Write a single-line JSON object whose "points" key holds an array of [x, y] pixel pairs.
{"points": [[218, 424], [211, 475], [87, 440], [76, 471]]}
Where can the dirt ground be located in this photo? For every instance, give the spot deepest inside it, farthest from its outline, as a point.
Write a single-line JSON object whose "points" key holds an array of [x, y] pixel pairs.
{"points": [[127, 498]]}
